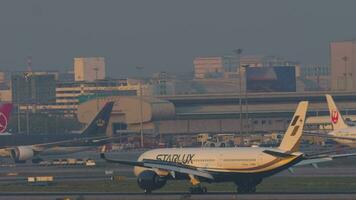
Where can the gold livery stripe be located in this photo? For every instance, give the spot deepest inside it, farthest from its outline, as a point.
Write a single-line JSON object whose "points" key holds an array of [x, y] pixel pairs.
{"points": [[263, 168]]}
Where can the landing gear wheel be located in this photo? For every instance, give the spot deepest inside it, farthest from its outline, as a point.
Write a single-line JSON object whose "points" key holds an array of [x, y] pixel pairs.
{"points": [[198, 190], [253, 189], [37, 160], [246, 189], [20, 161], [148, 191]]}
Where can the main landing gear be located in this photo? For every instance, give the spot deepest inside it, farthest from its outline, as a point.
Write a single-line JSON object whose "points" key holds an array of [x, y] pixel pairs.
{"points": [[248, 186], [148, 191], [246, 189], [37, 160], [198, 190]]}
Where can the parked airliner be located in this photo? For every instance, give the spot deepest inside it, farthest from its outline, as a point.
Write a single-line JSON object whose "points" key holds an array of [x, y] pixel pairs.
{"points": [[341, 133], [22, 147]]}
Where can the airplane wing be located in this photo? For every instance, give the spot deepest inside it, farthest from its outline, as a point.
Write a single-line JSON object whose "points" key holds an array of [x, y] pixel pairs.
{"points": [[316, 159], [74, 142], [306, 133], [163, 165], [95, 141]]}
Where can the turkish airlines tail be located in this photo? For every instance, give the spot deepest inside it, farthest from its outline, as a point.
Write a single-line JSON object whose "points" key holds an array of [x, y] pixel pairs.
{"points": [[294, 132], [5, 110], [335, 116]]}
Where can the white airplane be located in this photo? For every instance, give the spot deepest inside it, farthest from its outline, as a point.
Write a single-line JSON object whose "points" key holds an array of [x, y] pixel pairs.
{"points": [[341, 133], [245, 166]]}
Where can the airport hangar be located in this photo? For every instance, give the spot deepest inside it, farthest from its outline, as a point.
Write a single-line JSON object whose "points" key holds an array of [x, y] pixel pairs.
{"points": [[215, 113]]}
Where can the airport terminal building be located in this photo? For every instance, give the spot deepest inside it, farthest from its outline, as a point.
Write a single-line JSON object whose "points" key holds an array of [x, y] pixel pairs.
{"points": [[214, 113]]}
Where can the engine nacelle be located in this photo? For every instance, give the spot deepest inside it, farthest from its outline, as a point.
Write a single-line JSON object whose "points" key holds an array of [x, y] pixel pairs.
{"points": [[22, 153], [148, 181]]}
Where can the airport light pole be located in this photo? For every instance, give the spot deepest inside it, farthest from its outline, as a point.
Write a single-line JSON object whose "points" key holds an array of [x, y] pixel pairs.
{"points": [[18, 105], [28, 119], [141, 111], [27, 77], [317, 69], [18, 117], [96, 69], [246, 100], [238, 68], [345, 59]]}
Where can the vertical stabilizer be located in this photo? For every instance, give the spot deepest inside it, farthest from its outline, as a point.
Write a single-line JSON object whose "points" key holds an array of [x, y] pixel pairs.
{"points": [[5, 110], [100, 122], [335, 116], [294, 132]]}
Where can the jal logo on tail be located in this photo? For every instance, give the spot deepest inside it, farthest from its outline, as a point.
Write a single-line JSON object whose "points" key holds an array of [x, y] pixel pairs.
{"points": [[334, 116], [3, 122]]}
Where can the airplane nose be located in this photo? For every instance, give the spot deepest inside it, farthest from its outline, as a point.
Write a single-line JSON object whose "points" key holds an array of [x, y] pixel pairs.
{"points": [[138, 170]]}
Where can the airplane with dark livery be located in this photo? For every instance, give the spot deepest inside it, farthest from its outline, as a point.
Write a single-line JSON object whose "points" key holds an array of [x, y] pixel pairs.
{"points": [[244, 166], [31, 147]]}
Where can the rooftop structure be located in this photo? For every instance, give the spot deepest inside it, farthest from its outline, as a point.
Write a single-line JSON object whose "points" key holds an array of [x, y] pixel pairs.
{"points": [[343, 65], [89, 69], [33, 88], [214, 113]]}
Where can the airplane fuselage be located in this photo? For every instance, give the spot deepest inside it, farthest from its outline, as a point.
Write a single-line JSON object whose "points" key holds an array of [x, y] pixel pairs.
{"points": [[226, 164], [349, 132], [28, 140]]}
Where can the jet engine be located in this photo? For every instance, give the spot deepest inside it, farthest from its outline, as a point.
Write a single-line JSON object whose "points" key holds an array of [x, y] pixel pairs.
{"points": [[22, 153], [148, 180]]}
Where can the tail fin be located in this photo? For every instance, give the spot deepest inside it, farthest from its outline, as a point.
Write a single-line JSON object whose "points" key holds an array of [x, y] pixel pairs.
{"points": [[100, 122], [294, 132], [335, 116], [5, 110]]}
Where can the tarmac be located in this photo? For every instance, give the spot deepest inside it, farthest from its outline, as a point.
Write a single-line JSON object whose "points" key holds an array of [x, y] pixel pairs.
{"points": [[11, 173], [177, 196]]}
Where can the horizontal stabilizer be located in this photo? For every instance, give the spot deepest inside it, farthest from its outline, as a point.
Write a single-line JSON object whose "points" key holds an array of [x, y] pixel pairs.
{"points": [[123, 162], [277, 154]]}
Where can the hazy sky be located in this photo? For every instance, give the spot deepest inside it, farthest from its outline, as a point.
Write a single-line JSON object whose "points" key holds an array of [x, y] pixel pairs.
{"points": [[167, 35]]}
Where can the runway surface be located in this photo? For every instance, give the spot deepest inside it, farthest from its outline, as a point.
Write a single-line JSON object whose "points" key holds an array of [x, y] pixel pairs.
{"points": [[18, 173], [180, 196], [66, 170]]}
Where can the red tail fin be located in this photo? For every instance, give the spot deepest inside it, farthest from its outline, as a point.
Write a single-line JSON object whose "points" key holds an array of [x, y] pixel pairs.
{"points": [[5, 110]]}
